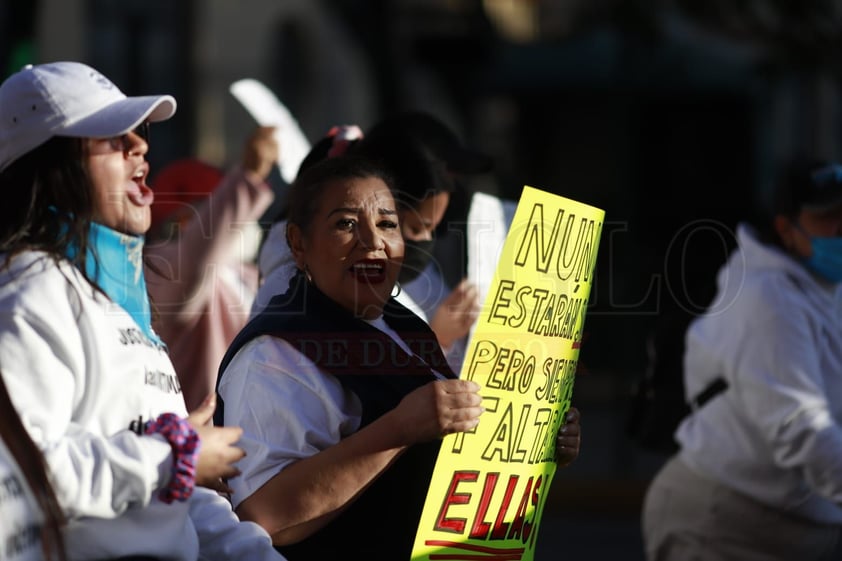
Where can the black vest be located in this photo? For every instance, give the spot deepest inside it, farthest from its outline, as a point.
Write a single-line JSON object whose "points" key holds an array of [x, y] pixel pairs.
{"points": [[382, 522]]}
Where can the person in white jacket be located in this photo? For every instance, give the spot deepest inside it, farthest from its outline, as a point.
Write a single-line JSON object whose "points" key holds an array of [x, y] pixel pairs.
{"points": [[91, 380], [759, 471]]}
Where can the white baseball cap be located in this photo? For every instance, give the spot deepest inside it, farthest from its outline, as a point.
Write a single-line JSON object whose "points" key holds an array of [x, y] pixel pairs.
{"points": [[68, 99]]}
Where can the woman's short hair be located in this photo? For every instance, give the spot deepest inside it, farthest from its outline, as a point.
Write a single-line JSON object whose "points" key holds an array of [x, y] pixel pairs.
{"points": [[800, 184], [417, 171], [306, 191], [808, 185]]}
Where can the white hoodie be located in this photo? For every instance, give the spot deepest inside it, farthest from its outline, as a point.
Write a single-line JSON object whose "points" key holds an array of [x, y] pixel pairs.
{"points": [[774, 333], [79, 371]]}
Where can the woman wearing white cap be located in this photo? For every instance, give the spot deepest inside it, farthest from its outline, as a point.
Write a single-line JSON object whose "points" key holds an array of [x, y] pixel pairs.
{"points": [[90, 379]]}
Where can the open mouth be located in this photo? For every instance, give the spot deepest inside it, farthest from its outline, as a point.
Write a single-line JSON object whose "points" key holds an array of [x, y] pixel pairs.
{"points": [[371, 271], [140, 194]]}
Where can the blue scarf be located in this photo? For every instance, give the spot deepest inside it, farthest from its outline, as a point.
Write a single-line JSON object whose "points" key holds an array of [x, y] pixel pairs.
{"points": [[115, 263]]}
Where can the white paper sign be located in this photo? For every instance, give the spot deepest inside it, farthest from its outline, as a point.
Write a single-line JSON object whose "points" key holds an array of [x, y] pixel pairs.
{"points": [[268, 111], [488, 224]]}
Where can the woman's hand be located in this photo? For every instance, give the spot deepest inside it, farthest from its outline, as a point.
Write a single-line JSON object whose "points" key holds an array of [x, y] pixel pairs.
{"points": [[438, 409], [217, 452], [568, 439], [456, 314], [260, 152]]}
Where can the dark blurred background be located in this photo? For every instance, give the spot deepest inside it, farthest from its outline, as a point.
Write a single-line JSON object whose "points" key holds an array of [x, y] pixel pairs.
{"points": [[671, 115]]}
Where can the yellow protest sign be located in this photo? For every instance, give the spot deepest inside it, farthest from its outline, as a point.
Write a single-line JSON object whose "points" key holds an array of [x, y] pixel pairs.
{"points": [[490, 485]]}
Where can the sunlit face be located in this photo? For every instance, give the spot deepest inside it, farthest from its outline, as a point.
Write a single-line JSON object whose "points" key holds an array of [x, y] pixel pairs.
{"points": [[353, 248], [418, 223], [118, 169], [809, 224]]}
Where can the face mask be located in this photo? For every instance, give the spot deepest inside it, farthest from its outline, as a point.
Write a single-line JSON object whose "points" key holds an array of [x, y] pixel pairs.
{"points": [[417, 255], [826, 260]]}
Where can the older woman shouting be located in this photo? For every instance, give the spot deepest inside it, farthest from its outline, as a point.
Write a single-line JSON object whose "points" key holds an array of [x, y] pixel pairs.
{"points": [[342, 391]]}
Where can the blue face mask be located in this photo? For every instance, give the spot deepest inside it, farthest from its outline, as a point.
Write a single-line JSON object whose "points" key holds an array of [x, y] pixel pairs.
{"points": [[826, 260]]}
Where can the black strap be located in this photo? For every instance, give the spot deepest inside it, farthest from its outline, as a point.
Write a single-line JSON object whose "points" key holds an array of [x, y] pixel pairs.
{"points": [[714, 388], [718, 384]]}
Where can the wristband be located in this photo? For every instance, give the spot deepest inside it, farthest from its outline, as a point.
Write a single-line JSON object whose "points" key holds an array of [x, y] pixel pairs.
{"points": [[185, 450]]}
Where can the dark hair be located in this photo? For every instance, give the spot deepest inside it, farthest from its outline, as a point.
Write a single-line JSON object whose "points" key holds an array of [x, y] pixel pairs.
{"points": [[319, 151], [800, 184], [48, 201], [306, 191], [34, 469], [808, 185], [417, 171]]}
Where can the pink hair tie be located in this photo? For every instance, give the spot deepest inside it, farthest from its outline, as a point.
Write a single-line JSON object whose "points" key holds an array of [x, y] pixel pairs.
{"points": [[185, 444], [343, 136]]}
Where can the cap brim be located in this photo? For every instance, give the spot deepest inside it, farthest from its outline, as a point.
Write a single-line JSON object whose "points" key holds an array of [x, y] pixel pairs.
{"points": [[122, 116]]}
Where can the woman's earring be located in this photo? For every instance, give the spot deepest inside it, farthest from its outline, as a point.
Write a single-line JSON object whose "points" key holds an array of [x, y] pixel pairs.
{"points": [[398, 293], [307, 274]]}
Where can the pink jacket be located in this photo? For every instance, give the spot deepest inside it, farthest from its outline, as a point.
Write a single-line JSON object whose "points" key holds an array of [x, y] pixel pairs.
{"points": [[200, 284]]}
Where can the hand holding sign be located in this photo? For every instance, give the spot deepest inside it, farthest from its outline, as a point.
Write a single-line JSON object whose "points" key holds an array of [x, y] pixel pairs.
{"points": [[490, 485], [457, 314], [437, 409], [569, 439]]}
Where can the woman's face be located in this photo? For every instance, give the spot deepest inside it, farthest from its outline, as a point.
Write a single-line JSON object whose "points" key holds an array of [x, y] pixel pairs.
{"points": [[419, 223], [118, 171], [796, 235], [353, 248]]}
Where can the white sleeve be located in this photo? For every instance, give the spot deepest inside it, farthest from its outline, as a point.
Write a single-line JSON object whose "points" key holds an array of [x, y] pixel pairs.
{"points": [[223, 536], [93, 475], [287, 407], [277, 267], [778, 378]]}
